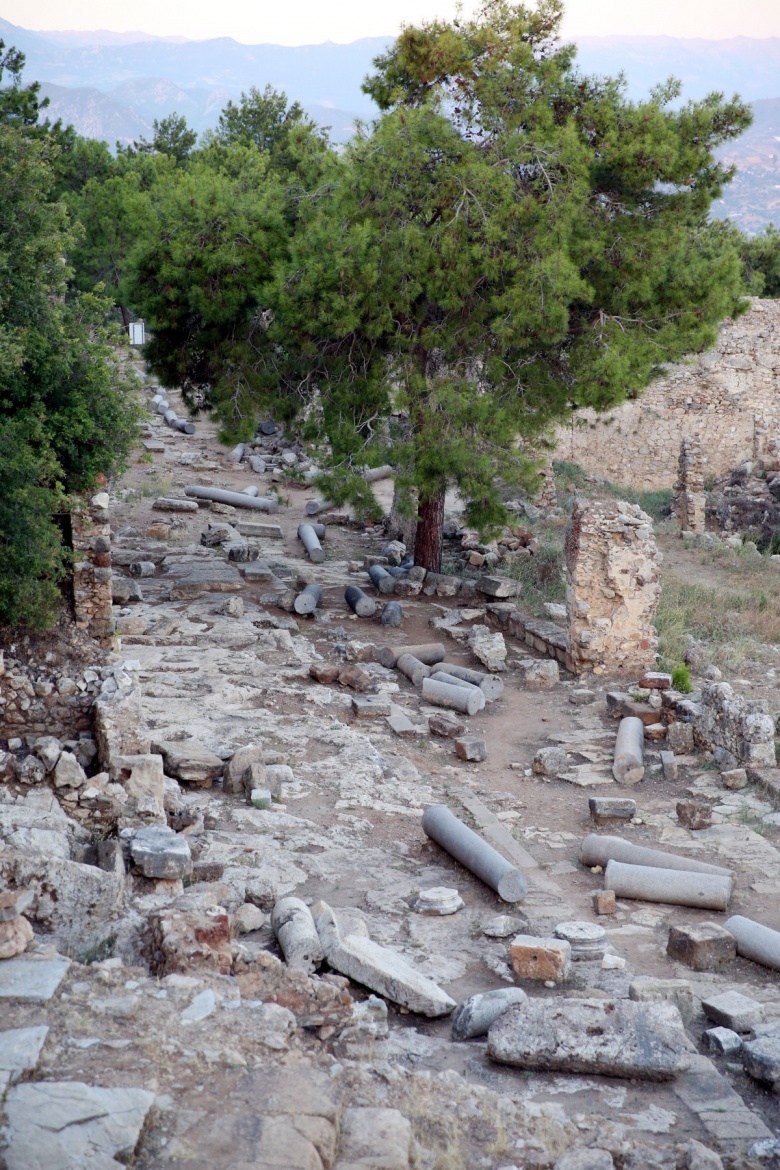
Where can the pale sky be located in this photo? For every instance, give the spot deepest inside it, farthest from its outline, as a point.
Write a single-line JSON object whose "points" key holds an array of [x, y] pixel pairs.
{"points": [[312, 21]]}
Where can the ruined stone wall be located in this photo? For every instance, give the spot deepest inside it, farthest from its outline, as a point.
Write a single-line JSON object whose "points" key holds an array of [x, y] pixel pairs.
{"points": [[35, 700], [739, 731], [690, 499], [612, 587], [729, 396], [92, 568]]}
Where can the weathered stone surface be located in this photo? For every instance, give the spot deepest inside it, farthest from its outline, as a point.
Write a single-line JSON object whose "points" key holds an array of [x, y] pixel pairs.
{"points": [[497, 586], [722, 1040], [444, 726], [323, 672], [143, 780], [648, 989], [356, 678], [20, 1049], [373, 1138], [48, 750], [542, 674], [471, 749], [158, 852], [439, 900], [33, 980], [477, 1014], [738, 727], [656, 680], [540, 958], [190, 761], [695, 813], [613, 587], [385, 972], [190, 934], [604, 902], [733, 1010], [488, 647], [166, 504], [550, 761], [680, 738], [669, 766], [15, 937], [313, 1001], [586, 939], [237, 768], [761, 1059], [734, 779], [68, 772], [66, 1125], [585, 1158], [13, 903], [594, 1036], [248, 918], [609, 810], [702, 946], [215, 577], [371, 706]]}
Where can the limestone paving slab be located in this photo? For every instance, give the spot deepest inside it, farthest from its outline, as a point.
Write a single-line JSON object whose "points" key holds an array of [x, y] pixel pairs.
{"points": [[610, 1037], [20, 1049], [33, 980], [67, 1125]]}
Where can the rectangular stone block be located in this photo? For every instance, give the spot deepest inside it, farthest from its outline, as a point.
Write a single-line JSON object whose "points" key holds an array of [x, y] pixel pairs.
{"points": [[445, 727], [733, 1010], [609, 810], [669, 766], [604, 902], [702, 946], [540, 958], [646, 989], [655, 680], [611, 1037], [471, 749], [371, 707]]}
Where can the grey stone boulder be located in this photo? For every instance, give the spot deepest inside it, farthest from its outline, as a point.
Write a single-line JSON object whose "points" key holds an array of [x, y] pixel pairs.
{"points": [[48, 749], [190, 761], [237, 768], [68, 772], [478, 1013], [761, 1060], [158, 852], [602, 1037], [66, 1125]]}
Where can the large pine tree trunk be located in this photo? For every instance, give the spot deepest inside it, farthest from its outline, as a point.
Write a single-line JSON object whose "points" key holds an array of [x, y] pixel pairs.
{"points": [[125, 318], [429, 537]]}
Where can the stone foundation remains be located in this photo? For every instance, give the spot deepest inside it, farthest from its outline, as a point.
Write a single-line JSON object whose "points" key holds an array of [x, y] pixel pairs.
{"points": [[738, 730], [729, 396], [690, 500], [40, 701], [612, 588], [92, 568]]}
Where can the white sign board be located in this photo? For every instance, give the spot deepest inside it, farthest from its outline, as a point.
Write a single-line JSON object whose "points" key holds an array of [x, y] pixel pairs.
{"points": [[136, 333]]}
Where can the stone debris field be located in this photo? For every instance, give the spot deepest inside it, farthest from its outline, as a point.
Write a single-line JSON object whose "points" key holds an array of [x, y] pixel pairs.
{"points": [[310, 860]]}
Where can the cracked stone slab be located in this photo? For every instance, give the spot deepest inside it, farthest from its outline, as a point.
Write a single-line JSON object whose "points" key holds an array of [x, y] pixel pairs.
{"points": [[67, 1125], [20, 1049], [33, 980]]}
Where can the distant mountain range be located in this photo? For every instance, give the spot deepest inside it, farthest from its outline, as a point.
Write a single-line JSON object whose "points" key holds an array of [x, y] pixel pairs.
{"points": [[113, 85]]}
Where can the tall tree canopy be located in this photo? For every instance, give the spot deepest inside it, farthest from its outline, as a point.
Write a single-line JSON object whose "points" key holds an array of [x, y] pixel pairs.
{"points": [[510, 240], [66, 415]]}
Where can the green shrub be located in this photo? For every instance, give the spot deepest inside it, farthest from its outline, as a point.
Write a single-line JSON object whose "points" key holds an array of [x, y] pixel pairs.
{"points": [[681, 680]]}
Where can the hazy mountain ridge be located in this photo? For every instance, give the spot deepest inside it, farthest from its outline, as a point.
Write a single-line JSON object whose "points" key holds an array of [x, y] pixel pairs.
{"points": [[113, 86]]}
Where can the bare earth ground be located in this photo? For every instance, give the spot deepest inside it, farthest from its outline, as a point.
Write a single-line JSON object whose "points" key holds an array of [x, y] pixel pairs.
{"points": [[349, 831]]}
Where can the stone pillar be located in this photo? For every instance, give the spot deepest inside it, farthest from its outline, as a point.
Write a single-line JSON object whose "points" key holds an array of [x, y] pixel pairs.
{"points": [[92, 567], [766, 441], [548, 497], [690, 500], [612, 588]]}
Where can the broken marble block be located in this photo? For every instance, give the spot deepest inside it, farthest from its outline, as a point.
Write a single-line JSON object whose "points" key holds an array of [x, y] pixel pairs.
{"points": [[540, 958], [733, 1010], [695, 813], [609, 1037], [722, 1040], [158, 852], [702, 946], [190, 761], [476, 1015], [378, 968], [471, 748], [488, 647], [611, 810]]}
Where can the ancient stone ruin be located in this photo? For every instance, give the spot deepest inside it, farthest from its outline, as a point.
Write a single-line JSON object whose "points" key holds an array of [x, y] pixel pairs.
{"points": [[612, 587], [91, 534], [690, 499]]}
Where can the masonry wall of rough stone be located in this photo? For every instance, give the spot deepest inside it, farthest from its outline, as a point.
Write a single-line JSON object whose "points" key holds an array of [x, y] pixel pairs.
{"points": [[739, 731], [612, 588], [729, 396], [690, 499], [36, 701], [91, 533]]}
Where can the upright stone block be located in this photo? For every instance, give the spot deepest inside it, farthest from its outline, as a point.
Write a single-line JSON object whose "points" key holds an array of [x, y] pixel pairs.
{"points": [[689, 499], [612, 588]]}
